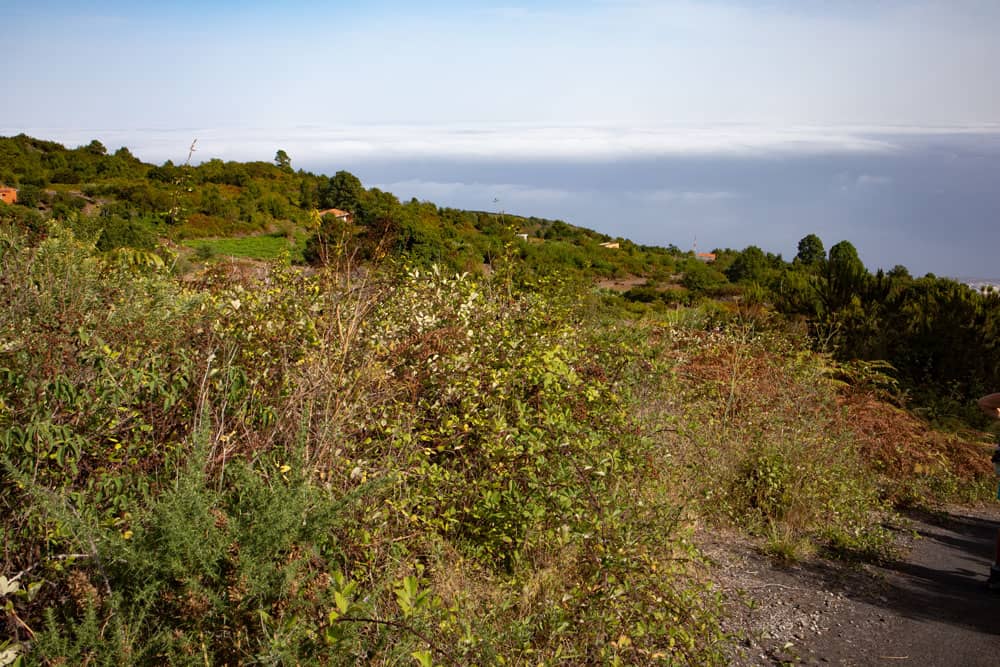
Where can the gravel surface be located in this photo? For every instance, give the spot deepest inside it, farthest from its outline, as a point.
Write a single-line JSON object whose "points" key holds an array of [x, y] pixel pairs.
{"points": [[929, 606]]}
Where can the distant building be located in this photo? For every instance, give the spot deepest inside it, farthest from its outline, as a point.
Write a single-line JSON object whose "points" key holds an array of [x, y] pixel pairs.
{"points": [[523, 237], [346, 216], [614, 245], [8, 195], [707, 257]]}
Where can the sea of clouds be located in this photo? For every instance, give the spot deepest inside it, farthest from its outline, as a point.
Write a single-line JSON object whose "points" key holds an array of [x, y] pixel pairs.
{"points": [[311, 145]]}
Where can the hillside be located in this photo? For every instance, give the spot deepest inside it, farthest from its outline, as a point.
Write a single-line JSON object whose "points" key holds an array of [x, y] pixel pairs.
{"points": [[116, 200], [380, 459]]}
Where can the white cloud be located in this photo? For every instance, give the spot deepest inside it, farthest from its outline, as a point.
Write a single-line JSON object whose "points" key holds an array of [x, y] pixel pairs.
{"points": [[312, 147], [309, 146], [849, 182]]}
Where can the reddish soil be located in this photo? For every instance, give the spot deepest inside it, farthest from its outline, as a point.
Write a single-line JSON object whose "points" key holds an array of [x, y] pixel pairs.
{"points": [[625, 284], [621, 284]]}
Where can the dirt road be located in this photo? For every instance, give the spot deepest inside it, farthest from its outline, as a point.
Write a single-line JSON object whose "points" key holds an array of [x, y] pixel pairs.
{"points": [[929, 607]]}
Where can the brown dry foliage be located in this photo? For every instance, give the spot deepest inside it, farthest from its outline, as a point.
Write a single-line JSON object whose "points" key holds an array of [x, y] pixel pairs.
{"points": [[754, 388], [901, 445]]}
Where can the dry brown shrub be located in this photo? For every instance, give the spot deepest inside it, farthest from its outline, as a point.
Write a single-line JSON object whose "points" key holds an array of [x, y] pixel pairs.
{"points": [[901, 446]]}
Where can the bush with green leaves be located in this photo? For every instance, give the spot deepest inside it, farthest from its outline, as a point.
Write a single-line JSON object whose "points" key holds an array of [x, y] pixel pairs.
{"points": [[97, 378], [511, 446], [329, 468]]}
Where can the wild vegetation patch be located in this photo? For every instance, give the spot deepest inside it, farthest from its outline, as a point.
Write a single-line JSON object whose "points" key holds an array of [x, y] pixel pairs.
{"points": [[752, 426], [328, 467], [918, 465]]}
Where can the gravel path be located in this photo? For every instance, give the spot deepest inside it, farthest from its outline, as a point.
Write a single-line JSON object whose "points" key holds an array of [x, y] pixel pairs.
{"points": [[929, 607]]}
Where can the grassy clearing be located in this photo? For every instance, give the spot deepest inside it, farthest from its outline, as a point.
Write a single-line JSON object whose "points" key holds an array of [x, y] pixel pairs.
{"points": [[263, 247]]}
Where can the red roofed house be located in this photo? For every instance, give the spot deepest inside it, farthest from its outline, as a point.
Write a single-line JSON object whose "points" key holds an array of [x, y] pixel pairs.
{"points": [[707, 257], [8, 195], [346, 216]]}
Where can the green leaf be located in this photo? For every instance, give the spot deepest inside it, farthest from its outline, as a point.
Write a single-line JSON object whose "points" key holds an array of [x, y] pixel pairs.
{"points": [[342, 602], [408, 596], [423, 658]]}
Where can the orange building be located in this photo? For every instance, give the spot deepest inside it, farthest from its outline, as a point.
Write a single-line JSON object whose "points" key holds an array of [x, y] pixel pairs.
{"points": [[8, 195]]}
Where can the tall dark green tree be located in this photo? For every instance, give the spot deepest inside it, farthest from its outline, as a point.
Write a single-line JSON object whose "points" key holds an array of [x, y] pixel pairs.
{"points": [[308, 193], [845, 276], [282, 161], [380, 213], [95, 147], [331, 239], [900, 272], [344, 192], [750, 266], [811, 251]]}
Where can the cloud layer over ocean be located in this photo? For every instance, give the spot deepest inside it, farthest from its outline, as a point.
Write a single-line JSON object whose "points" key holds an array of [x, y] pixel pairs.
{"points": [[312, 146]]}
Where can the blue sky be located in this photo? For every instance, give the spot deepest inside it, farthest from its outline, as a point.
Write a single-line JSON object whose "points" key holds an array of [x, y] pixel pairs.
{"points": [[705, 115], [257, 64]]}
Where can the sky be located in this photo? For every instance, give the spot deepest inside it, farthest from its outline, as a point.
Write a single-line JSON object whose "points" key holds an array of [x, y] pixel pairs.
{"points": [[727, 121]]}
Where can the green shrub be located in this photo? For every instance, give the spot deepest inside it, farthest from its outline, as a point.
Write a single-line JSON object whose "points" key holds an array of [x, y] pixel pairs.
{"points": [[204, 251], [119, 232], [261, 247]]}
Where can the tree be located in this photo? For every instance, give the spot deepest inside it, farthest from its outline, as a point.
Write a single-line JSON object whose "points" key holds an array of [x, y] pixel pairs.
{"points": [[751, 265], [380, 214], [344, 192], [212, 202], [308, 193], [700, 277], [845, 274], [282, 160], [900, 272], [95, 147], [120, 233], [330, 239], [811, 251]]}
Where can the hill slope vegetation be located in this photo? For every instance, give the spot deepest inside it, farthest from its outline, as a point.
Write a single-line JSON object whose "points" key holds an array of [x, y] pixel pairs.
{"points": [[382, 459]]}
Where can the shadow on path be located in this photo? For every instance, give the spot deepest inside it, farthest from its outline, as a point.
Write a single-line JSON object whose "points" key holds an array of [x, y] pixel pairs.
{"points": [[943, 577], [929, 607]]}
